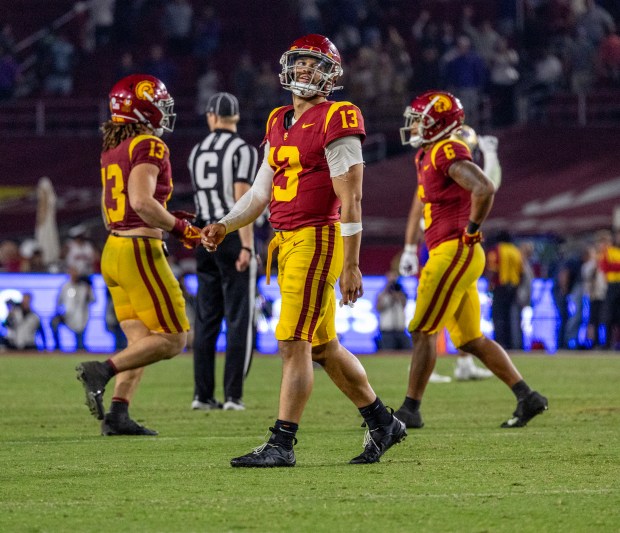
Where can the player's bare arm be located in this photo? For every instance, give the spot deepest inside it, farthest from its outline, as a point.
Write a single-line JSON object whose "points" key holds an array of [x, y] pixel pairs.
{"points": [[141, 189], [246, 233], [469, 176], [348, 188]]}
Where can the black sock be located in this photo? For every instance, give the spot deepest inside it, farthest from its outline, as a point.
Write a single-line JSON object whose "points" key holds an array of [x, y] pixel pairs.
{"points": [[411, 404], [119, 406], [521, 389], [109, 368], [376, 414], [283, 433]]}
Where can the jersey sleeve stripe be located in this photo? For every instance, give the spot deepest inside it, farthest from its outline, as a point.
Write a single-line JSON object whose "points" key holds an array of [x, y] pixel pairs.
{"points": [[139, 139], [147, 283], [332, 109], [269, 123], [442, 143]]}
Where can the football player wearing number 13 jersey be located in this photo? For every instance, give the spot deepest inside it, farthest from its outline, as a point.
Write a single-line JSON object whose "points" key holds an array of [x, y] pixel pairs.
{"points": [[454, 197], [311, 178], [149, 304]]}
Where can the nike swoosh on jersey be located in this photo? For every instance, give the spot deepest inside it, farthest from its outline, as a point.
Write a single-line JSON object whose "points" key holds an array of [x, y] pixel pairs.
{"points": [[426, 167], [298, 242], [304, 125]]}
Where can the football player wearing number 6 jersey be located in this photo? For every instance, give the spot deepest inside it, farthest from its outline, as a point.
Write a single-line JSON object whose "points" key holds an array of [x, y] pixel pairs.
{"points": [[454, 197], [311, 179], [148, 302]]}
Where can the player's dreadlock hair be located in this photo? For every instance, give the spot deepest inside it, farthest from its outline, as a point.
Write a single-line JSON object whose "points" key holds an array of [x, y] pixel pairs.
{"points": [[114, 133]]}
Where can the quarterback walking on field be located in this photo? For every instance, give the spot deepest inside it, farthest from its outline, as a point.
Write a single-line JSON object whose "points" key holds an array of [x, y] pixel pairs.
{"points": [[454, 197], [148, 302], [311, 178]]}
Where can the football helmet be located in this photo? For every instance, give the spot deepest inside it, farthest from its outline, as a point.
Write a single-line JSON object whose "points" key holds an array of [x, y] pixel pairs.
{"points": [[437, 114], [322, 75], [468, 135], [143, 98]]}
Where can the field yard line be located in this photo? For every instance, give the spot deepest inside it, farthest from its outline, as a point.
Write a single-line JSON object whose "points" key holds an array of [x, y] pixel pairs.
{"points": [[314, 498]]}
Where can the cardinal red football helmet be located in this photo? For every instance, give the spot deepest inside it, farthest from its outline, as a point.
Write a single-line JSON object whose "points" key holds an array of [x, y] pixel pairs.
{"points": [[144, 99], [437, 114], [322, 75]]}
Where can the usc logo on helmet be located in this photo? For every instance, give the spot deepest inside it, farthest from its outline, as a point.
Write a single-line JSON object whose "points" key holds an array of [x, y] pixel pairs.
{"points": [[442, 104], [143, 88]]}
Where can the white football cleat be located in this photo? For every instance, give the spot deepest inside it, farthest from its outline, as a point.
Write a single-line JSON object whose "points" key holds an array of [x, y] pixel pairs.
{"points": [[438, 378], [466, 370]]}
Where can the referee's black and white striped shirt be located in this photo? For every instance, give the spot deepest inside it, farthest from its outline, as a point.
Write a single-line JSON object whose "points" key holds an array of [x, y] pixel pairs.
{"points": [[216, 164]]}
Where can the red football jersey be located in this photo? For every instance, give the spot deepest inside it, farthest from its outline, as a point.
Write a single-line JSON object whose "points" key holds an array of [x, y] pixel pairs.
{"points": [[447, 204], [116, 164], [302, 193]]}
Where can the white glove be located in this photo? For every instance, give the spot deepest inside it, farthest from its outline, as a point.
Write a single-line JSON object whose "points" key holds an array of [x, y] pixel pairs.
{"points": [[487, 143], [408, 265]]}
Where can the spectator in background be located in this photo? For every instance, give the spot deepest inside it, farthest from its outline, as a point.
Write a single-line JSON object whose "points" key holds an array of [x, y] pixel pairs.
{"points": [[596, 22], [244, 78], [80, 254], [177, 26], [23, 325], [160, 66], [72, 308], [207, 85], [60, 60], [9, 74], [567, 293], [390, 306], [504, 77], [581, 62], [102, 20], [10, 258], [608, 60], [207, 35], [465, 76], [126, 66]]}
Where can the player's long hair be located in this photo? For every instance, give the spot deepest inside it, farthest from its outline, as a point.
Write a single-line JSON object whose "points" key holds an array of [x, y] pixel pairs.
{"points": [[114, 133]]}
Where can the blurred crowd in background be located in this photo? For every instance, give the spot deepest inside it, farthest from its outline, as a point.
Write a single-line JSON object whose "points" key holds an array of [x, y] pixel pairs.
{"points": [[482, 51]]}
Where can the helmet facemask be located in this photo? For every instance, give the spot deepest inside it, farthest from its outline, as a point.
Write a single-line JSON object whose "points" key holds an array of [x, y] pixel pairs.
{"points": [[166, 120], [323, 74], [429, 129]]}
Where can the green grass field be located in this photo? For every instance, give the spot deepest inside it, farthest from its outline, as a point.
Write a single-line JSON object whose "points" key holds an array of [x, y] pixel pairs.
{"points": [[460, 473]]}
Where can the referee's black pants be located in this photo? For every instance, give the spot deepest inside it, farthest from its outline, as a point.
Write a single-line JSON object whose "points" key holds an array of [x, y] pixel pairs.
{"points": [[223, 293]]}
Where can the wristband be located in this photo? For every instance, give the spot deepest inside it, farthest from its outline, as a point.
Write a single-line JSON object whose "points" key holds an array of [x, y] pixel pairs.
{"points": [[179, 227], [411, 248], [248, 249], [472, 227], [347, 229]]}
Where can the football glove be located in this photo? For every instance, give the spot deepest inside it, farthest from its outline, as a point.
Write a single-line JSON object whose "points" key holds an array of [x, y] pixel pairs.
{"points": [[183, 230], [469, 239], [408, 265]]}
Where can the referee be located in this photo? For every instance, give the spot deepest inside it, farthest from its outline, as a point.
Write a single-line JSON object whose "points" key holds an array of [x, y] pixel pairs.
{"points": [[222, 169]]}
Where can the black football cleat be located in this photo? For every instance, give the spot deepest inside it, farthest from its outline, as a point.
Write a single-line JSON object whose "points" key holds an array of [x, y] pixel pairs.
{"points": [[411, 419], [267, 455], [94, 377], [527, 408], [113, 425], [380, 440]]}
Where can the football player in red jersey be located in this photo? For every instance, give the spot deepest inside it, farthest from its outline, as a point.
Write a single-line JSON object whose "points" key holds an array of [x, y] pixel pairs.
{"points": [[137, 184], [454, 197], [311, 178]]}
